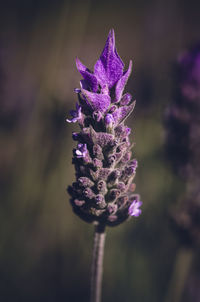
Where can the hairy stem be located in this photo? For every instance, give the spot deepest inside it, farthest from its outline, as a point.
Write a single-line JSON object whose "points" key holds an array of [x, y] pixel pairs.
{"points": [[97, 263]]}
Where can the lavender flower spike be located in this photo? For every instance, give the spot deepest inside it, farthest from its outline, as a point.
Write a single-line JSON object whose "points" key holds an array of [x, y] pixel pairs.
{"points": [[103, 157]]}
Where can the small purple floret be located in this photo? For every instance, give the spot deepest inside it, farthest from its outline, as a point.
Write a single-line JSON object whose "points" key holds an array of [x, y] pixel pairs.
{"points": [[128, 131], [77, 90], [76, 114], [134, 208], [75, 136], [81, 150]]}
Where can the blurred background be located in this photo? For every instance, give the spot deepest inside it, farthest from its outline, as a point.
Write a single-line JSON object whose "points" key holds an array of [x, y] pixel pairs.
{"points": [[45, 250]]}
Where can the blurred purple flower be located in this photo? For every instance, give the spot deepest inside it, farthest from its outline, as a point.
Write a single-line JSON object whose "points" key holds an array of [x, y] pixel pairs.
{"points": [[189, 64], [183, 145]]}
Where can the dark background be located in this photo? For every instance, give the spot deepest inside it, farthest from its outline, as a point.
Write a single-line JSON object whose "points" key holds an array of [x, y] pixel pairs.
{"points": [[45, 250]]}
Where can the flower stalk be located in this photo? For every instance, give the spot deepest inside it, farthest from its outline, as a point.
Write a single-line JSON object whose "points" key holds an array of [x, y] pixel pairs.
{"points": [[103, 193], [97, 263]]}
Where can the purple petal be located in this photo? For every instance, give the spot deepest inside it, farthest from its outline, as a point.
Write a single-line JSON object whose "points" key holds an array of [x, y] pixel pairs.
{"points": [[84, 85], [80, 66], [137, 212], [75, 135], [73, 113], [81, 150], [96, 101], [122, 113], [134, 208], [87, 75], [139, 203], [109, 68], [100, 73], [73, 120], [78, 153], [76, 114], [78, 109], [122, 82], [77, 90]]}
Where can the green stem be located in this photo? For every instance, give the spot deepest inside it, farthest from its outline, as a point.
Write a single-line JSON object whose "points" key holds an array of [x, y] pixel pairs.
{"points": [[182, 267], [97, 263]]}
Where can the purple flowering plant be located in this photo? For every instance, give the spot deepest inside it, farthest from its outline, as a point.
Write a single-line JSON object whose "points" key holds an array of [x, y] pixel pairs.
{"points": [[103, 192], [104, 168], [182, 123], [183, 145]]}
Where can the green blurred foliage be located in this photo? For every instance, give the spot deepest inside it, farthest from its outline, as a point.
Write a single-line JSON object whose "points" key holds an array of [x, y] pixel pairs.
{"points": [[45, 250]]}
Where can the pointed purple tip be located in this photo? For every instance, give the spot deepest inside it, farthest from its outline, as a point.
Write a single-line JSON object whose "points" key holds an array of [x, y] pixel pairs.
{"points": [[109, 68]]}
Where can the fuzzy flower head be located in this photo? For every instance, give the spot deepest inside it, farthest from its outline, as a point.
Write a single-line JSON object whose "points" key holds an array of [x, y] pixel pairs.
{"points": [[104, 189], [182, 119]]}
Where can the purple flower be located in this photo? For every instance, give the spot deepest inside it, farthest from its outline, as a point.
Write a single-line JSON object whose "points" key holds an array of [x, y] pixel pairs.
{"points": [[104, 169], [108, 72], [81, 150], [76, 114], [182, 117], [183, 145], [134, 208]]}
